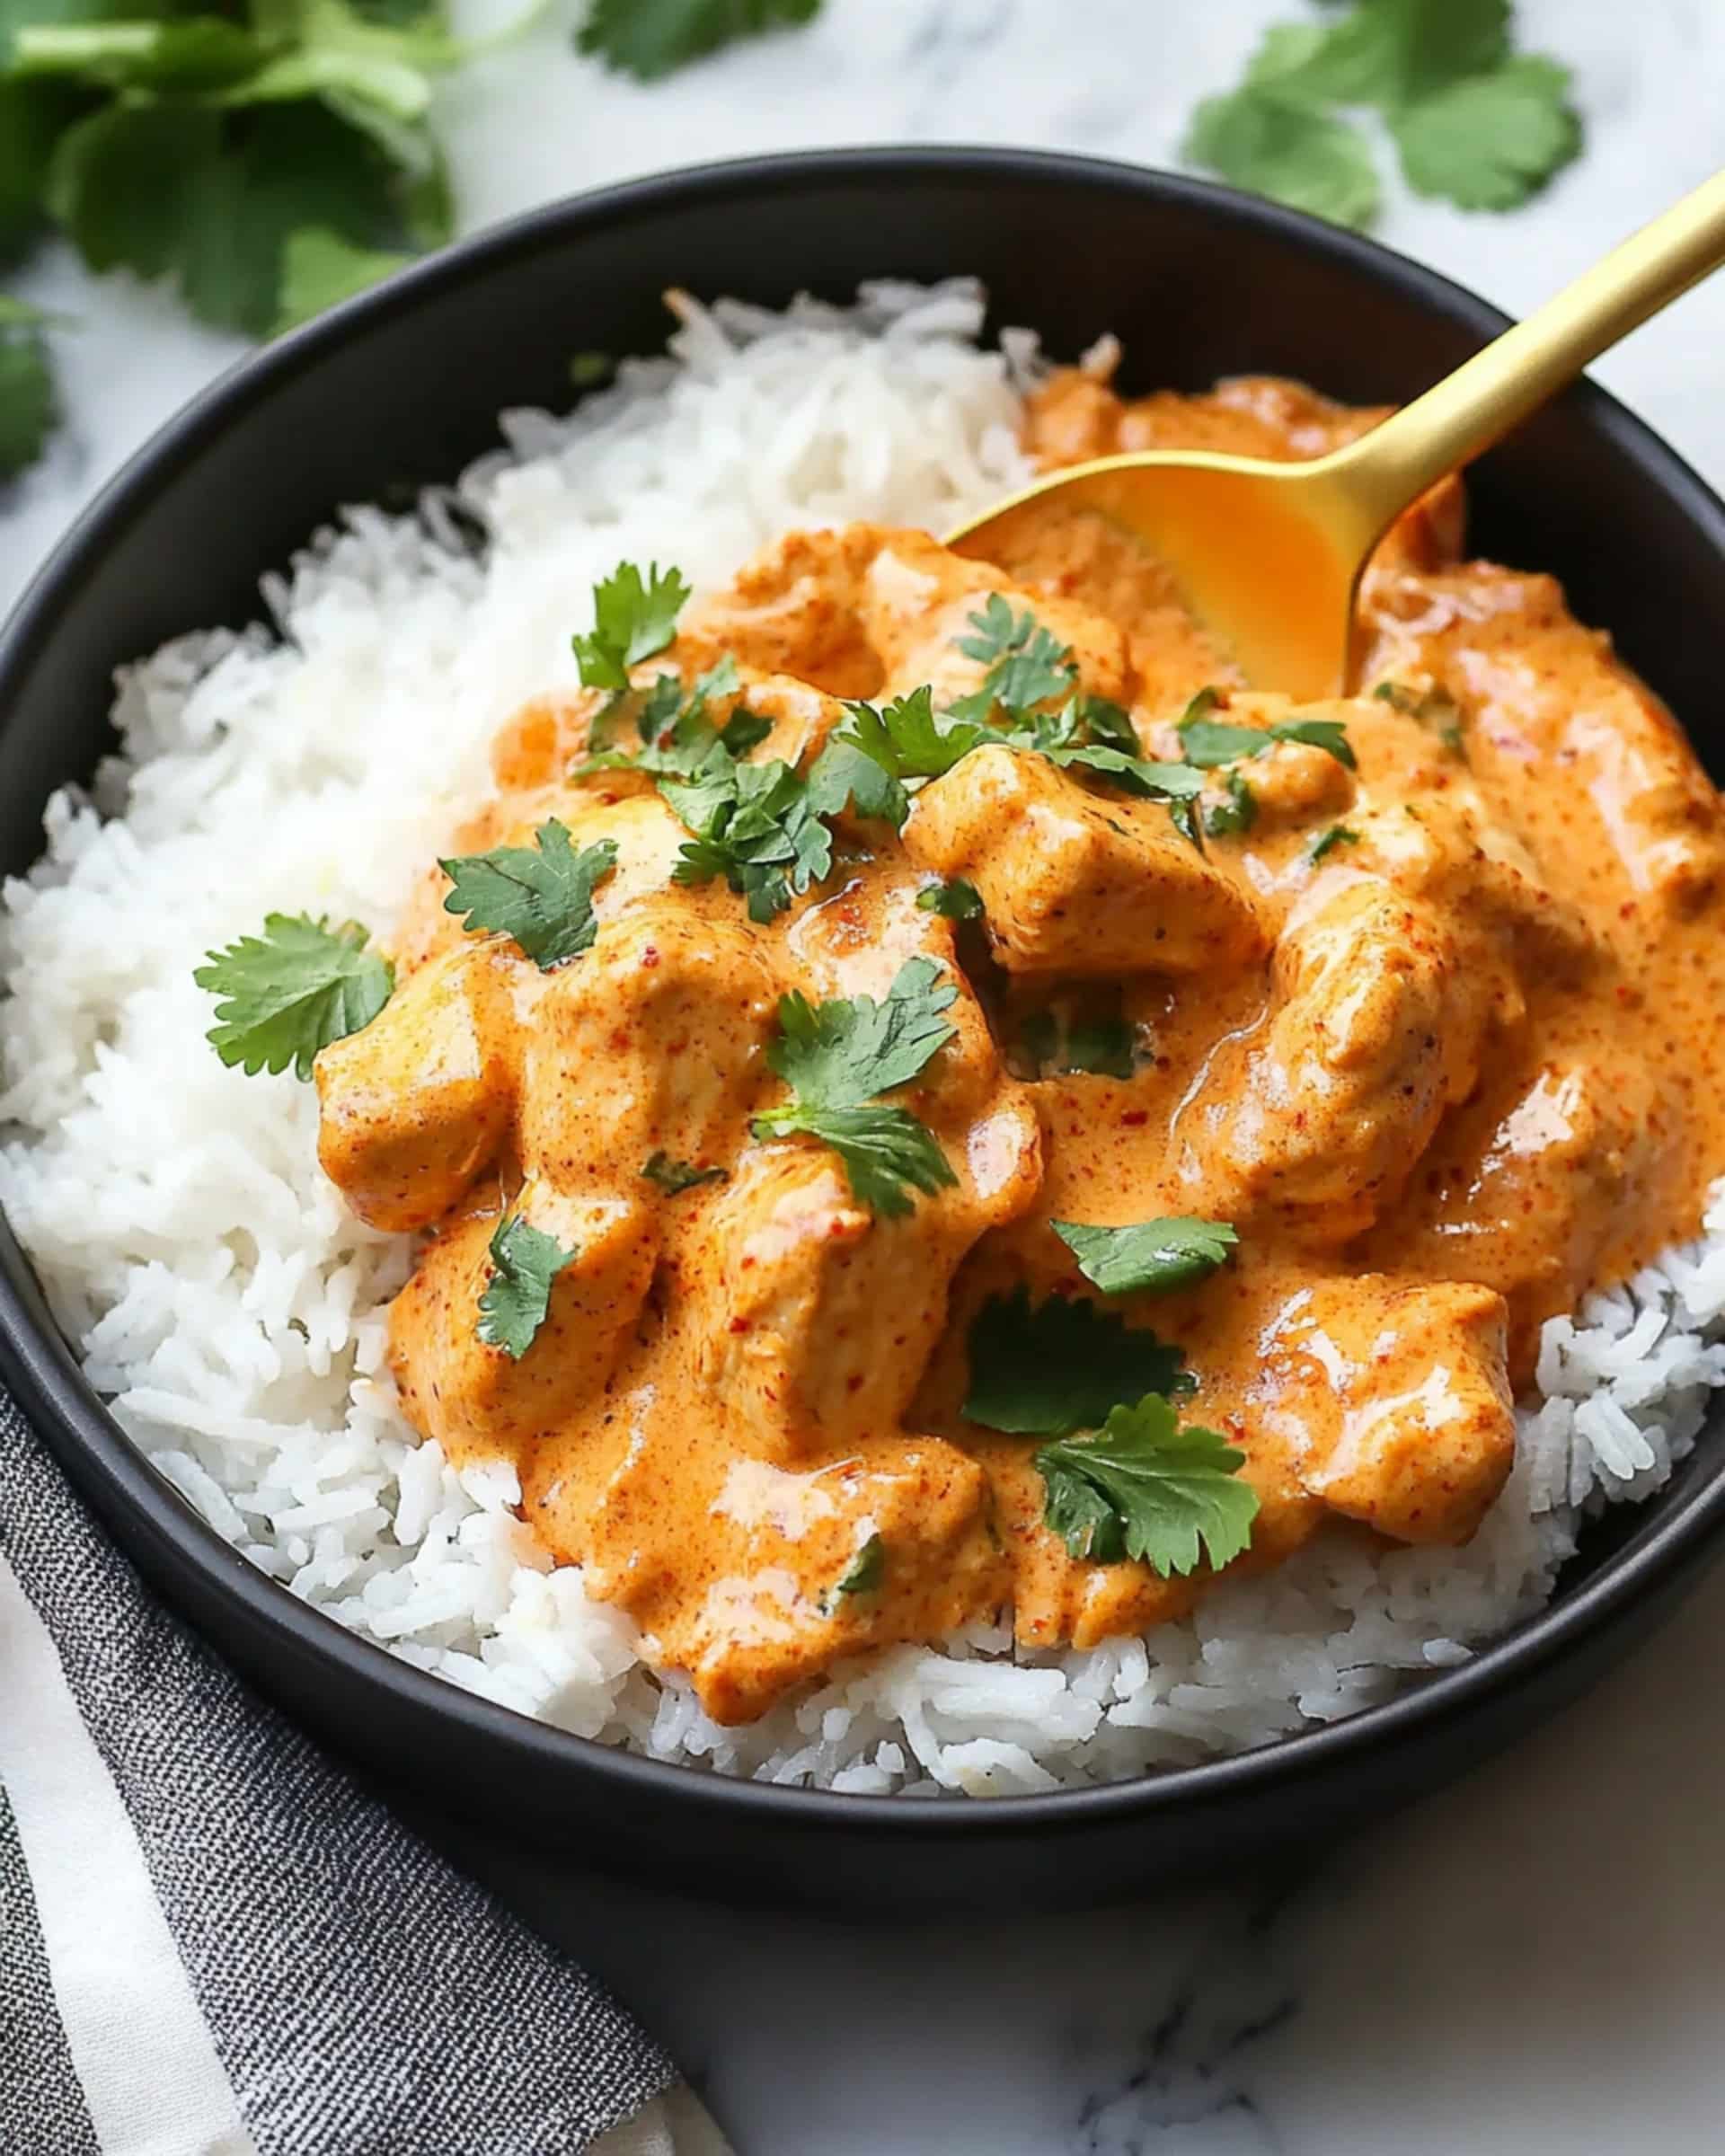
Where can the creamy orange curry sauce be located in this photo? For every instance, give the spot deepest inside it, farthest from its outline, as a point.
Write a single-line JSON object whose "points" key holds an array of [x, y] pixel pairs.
{"points": [[1437, 1035]]}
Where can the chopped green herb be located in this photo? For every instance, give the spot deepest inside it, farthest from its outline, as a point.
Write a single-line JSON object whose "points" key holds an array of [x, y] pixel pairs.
{"points": [[1094, 1047], [1047, 1369], [1237, 814], [756, 826], [673, 1176], [1100, 1046], [870, 758], [1435, 709], [1273, 144], [868, 1569], [1208, 744], [1326, 842], [1027, 665], [838, 1058], [27, 403], [1475, 122], [320, 269], [1490, 141], [633, 618], [1151, 1255], [586, 370], [541, 897], [292, 991], [517, 1299], [649, 39], [1144, 1487], [954, 901]]}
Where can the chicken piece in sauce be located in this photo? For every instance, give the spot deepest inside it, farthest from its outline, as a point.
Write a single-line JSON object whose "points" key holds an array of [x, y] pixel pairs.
{"points": [[1429, 1024]]}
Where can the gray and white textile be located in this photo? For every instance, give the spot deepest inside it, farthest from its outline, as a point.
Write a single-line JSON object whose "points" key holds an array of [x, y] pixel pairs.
{"points": [[212, 1943]]}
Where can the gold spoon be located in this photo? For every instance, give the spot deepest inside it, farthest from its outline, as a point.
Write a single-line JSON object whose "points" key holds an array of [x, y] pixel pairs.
{"points": [[1270, 555]]}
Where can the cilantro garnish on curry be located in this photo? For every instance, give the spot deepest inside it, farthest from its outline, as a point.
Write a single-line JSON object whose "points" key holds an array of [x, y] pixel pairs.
{"points": [[926, 1097]]}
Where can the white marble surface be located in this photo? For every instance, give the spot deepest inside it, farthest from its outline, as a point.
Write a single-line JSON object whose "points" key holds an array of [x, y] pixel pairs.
{"points": [[1527, 1966]]}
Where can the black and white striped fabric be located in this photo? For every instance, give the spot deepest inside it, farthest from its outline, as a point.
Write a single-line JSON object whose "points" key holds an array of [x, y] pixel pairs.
{"points": [[213, 1944]]}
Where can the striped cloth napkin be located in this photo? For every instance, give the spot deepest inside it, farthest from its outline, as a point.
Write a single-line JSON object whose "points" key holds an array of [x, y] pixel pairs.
{"points": [[212, 1943]]}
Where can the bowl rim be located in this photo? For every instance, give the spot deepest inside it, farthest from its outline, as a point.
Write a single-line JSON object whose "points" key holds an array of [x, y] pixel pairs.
{"points": [[48, 1381]]}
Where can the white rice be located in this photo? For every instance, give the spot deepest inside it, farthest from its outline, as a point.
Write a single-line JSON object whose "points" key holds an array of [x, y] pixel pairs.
{"points": [[222, 1296]]}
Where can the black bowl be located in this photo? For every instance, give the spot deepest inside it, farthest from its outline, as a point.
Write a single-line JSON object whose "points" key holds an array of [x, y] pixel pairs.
{"points": [[403, 386]]}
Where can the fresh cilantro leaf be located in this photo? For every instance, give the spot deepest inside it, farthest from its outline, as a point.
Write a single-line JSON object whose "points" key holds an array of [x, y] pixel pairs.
{"points": [[1101, 1047], [1272, 144], [1435, 709], [1326, 842], [673, 1176], [1027, 665], [292, 991], [886, 1151], [1490, 142], [320, 269], [1108, 724], [742, 731], [1151, 1256], [876, 749], [27, 403], [1383, 52], [954, 901], [31, 115], [868, 1569], [634, 617], [754, 825], [196, 53], [1047, 1369], [1095, 1047], [843, 1053], [212, 197], [517, 1299], [1474, 122], [1237, 814], [1208, 744], [1144, 775], [1144, 1487], [651, 37], [845, 775], [1327, 734], [541, 897], [837, 1057]]}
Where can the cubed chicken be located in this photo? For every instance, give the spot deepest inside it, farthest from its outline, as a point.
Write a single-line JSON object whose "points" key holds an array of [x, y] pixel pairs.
{"points": [[906, 1527], [475, 1398], [654, 1041], [1374, 1030], [812, 1316], [1571, 749], [1074, 883], [1530, 1185], [1395, 1398], [415, 1104]]}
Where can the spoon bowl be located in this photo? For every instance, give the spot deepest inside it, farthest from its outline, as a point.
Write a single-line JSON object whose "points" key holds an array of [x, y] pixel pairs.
{"points": [[1270, 555]]}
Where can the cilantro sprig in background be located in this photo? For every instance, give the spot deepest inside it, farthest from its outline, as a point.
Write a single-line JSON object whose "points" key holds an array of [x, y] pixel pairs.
{"points": [[1474, 121], [266, 158]]}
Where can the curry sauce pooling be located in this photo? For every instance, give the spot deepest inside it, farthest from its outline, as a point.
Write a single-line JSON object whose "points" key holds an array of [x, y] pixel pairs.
{"points": [[780, 1060]]}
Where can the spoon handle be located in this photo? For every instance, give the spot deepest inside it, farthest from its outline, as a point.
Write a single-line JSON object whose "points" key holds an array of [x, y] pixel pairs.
{"points": [[1487, 395]]}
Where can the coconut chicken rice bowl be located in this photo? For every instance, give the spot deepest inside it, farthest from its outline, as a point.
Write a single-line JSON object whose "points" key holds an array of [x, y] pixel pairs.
{"points": [[903, 1181]]}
